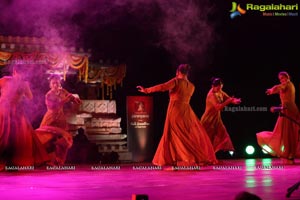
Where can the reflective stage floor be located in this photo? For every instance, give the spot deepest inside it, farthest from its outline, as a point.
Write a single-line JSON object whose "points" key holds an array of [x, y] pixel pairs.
{"points": [[267, 178]]}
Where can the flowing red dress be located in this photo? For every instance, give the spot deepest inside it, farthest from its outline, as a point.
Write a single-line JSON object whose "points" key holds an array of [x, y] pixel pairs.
{"points": [[19, 145], [213, 124], [184, 141], [283, 141], [54, 126]]}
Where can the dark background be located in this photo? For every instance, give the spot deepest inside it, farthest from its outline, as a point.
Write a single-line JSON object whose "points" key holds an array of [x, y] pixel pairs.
{"points": [[153, 37]]}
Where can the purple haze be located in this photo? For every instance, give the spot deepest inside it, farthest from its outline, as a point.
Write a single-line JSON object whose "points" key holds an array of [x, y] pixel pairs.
{"points": [[182, 26]]}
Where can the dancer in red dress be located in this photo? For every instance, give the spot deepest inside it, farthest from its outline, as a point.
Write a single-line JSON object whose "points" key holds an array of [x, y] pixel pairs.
{"points": [[53, 128], [19, 146], [216, 100], [184, 141], [283, 141]]}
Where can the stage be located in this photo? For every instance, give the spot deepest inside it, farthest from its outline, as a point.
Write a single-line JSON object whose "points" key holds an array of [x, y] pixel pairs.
{"points": [[266, 177]]}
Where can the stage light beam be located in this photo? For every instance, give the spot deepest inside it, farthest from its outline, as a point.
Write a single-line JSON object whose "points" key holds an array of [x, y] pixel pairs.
{"points": [[250, 150]]}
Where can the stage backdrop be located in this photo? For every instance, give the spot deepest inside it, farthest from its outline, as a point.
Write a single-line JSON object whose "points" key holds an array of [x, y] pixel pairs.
{"points": [[139, 127]]}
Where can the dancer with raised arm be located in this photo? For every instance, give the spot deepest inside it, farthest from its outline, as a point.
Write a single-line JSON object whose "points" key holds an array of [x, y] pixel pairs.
{"points": [[216, 100], [184, 141], [53, 131], [283, 141]]}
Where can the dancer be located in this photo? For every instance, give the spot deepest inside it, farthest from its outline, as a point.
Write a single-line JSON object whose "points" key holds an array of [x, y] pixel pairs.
{"points": [[53, 128], [283, 141], [55, 100], [216, 100], [19, 146], [184, 141]]}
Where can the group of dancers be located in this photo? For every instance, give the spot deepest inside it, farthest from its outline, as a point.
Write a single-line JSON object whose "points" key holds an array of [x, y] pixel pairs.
{"points": [[188, 140], [20, 144]]}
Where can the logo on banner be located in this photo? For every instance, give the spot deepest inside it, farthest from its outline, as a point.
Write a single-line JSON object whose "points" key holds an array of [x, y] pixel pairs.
{"points": [[139, 106]]}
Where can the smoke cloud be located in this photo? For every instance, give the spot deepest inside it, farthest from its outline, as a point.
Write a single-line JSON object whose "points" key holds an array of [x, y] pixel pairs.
{"points": [[186, 31], [181, 27]]}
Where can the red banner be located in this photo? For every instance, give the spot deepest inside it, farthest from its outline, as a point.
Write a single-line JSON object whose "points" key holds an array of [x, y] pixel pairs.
{"points": [[139, 127]]}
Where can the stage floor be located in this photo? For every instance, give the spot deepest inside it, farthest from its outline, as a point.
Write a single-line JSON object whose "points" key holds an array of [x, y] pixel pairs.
{"points": [[267, 178]]}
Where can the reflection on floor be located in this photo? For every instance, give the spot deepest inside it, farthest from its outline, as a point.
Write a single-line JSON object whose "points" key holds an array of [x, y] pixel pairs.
{"points": [[267, 178]]}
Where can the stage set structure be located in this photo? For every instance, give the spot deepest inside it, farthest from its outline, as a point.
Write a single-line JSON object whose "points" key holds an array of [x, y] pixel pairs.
{"points": [[97, 114]]}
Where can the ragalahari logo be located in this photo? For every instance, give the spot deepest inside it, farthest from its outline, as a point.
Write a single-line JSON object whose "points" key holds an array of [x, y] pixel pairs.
{"points": [[236, 10]]}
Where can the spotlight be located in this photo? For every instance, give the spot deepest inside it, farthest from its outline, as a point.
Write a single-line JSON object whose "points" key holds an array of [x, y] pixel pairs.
{"points": [[250, 150], [231, 153], [264, 151]]}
